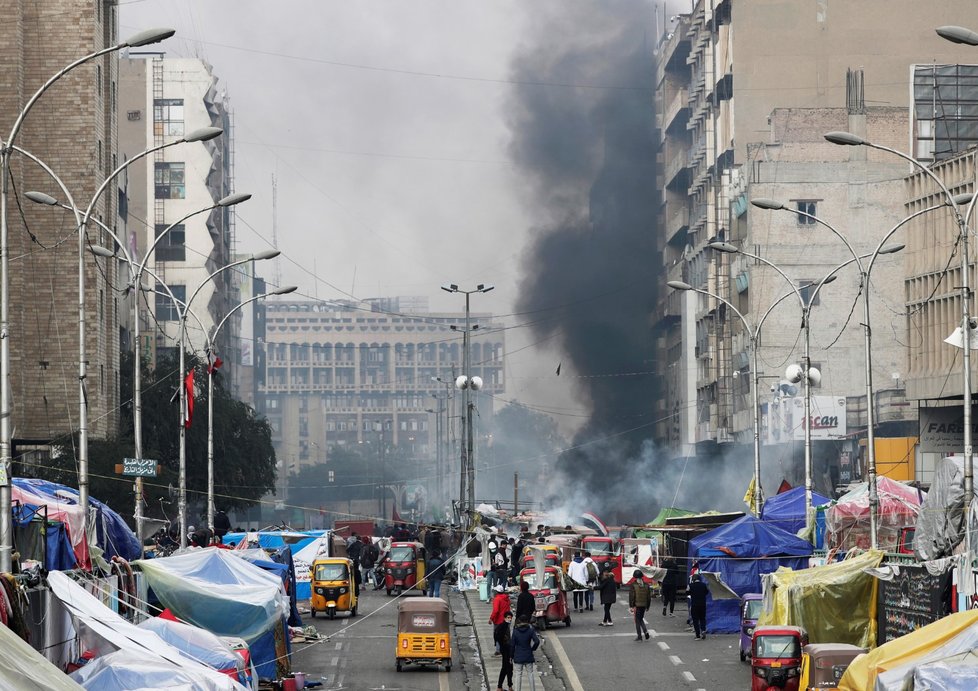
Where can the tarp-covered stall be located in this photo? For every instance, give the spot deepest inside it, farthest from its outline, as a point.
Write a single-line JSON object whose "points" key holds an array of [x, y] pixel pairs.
{"points": [[940, 525], [787, 510], [890, 665], [740, 552], [127, 656], [22, 667], [835, 603], [847, 519], [218, 591]]}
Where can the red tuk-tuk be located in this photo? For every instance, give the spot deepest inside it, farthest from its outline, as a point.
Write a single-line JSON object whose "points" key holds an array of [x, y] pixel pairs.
{"points": [[551, 554], [776, 657], [404, 567], [549, 596], [605, 553]]}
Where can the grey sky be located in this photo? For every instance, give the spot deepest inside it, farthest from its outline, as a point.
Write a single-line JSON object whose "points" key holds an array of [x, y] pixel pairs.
{"points": [[384, 123]]}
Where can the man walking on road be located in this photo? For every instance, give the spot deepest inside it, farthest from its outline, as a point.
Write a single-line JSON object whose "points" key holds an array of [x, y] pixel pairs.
{"points": [[525, 603], [592, 581], [435, 573], [639, 599], [669, 585], [697, 605], [523, 642], [577, 570], [608, 591]]}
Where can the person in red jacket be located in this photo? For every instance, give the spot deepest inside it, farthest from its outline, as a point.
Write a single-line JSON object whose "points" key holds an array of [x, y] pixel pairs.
{"points": [[500, 606]]}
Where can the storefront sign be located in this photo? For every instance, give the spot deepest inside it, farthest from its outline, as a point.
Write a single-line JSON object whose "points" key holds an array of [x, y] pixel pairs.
{"points": [[786, 416], [942, 429]]}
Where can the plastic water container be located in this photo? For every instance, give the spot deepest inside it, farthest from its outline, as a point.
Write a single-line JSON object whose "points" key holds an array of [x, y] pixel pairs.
{"points": [[300, 680], [484, 591]]}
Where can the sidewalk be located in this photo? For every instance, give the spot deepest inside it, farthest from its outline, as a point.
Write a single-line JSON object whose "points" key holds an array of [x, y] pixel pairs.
{"points": [[491, 664]]}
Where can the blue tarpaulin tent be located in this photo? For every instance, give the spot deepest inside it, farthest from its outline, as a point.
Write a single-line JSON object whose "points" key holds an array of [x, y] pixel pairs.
{"points": [[787, 510], [112, 534], [741, 551]]}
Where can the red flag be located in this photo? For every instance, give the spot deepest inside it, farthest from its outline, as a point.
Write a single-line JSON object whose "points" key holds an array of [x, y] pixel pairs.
{"points": [[785, 486], [189, 385], [214, 365]]}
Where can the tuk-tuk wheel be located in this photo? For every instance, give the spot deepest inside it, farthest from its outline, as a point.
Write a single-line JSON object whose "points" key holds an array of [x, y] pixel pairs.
{"points": [[540, 624], [448, 666], [353, 612], [567, 621], [399, 668], [312, 611], [388, 592], [332, 614], [743, 656]]}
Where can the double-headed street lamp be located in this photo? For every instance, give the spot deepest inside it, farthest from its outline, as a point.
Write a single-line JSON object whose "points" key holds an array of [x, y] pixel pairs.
{"points": [[6, 148], [466, 382], [954, 202], [182, 502], [211, 340]]}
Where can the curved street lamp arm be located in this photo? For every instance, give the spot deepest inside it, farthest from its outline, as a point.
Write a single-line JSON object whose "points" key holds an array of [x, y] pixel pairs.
{"points": [[213, 336], [159, 238], [729, 304], [112, 176], [834, 231], [801, 300], [891, 231], [64, 188]]}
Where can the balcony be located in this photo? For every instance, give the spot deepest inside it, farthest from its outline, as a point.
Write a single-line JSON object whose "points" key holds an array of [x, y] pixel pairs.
{"points": [[677, 221], [677, 112], [674, 168]]}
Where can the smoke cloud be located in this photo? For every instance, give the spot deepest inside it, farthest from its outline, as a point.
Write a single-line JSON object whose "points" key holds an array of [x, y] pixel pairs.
{"points": [[583, 128]]}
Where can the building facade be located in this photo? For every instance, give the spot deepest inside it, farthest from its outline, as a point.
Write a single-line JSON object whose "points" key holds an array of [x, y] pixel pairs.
{"points": [[165, 99], [366, 373], [723, 68], [72, 128]]}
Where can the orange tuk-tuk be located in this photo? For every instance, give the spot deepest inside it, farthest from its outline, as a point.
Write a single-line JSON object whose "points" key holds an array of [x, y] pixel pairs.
{"points": [[549, 596], [823, 664], [776, 657], [423, 636]]}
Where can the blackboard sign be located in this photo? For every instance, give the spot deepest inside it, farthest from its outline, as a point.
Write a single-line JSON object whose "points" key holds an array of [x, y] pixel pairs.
{"points": [[914, 598]]}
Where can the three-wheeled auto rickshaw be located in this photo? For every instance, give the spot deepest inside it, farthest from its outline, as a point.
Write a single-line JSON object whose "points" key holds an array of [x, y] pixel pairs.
{"points": [[605, 554], [549, 596], [404, 567], [551, 555], [422, 633], [750, 609], [332, 588], [823, 664], [776, 657]]}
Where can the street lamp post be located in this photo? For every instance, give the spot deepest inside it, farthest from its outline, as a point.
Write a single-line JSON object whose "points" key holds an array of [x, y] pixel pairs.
{"points": [[211, 340], [136, 272], [182, 501], [6, 525], [954, 202], [864, 276], [467, 383]]}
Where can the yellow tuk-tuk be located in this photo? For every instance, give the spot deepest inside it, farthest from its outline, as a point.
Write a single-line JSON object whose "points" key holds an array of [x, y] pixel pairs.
{"points": [[422, 633], [823, 664], [332, 587]]}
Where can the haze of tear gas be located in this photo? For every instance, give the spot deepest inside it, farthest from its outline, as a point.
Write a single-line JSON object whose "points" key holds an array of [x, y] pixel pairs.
{"points": [[591, 273]]}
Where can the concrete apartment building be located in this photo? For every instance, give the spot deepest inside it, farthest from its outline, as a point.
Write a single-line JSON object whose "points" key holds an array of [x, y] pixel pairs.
{"points": [[72, 128], [723, 69], [378, 371], [164, 99]]}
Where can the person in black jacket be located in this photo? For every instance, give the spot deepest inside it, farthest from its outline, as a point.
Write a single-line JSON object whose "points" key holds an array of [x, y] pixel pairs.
{"points": [[501, 635], [525, 605], [608, 591], [670, 583], [698, 591]]}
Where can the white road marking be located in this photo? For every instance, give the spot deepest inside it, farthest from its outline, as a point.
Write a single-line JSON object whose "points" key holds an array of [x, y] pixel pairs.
{"points": [[662, 645], [572, 679], [689, 677], [443, 681], [334, 661], [339, 646], [674, 659]]}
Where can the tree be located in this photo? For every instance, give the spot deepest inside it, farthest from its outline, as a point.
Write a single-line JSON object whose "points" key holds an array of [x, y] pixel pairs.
{"points": [[244, 459]]}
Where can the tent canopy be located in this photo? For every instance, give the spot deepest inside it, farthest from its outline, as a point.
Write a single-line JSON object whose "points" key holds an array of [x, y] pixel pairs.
{"points": [[22, 667], [848, 519], [741, 552], [787, 510]]}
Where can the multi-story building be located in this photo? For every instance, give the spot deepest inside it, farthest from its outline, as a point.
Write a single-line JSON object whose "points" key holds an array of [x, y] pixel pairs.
{"points": [[164, 99], [72, 128], [723, 68], [346, 374]]}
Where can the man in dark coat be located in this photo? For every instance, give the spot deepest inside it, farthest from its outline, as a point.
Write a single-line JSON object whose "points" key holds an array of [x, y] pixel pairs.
{"points": [[523, 642], [698, 590], [525, 605], [608, 591], [639, 599], [669, 584]]}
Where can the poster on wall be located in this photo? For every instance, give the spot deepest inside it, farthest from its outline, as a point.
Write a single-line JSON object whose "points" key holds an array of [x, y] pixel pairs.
{"points": [[942, 429]]}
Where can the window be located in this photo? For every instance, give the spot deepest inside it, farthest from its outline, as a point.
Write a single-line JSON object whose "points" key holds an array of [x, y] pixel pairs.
{"points": [[166, 311], [806, 206], [172, 247], [170, 181], [806, 287], [168, 117]]}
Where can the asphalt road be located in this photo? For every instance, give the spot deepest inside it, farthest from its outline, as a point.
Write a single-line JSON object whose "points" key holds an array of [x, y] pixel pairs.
{"points": [[358, 653]]}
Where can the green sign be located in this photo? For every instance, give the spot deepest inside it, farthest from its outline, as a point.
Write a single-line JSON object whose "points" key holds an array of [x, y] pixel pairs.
{"points": [[139, 467]]}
